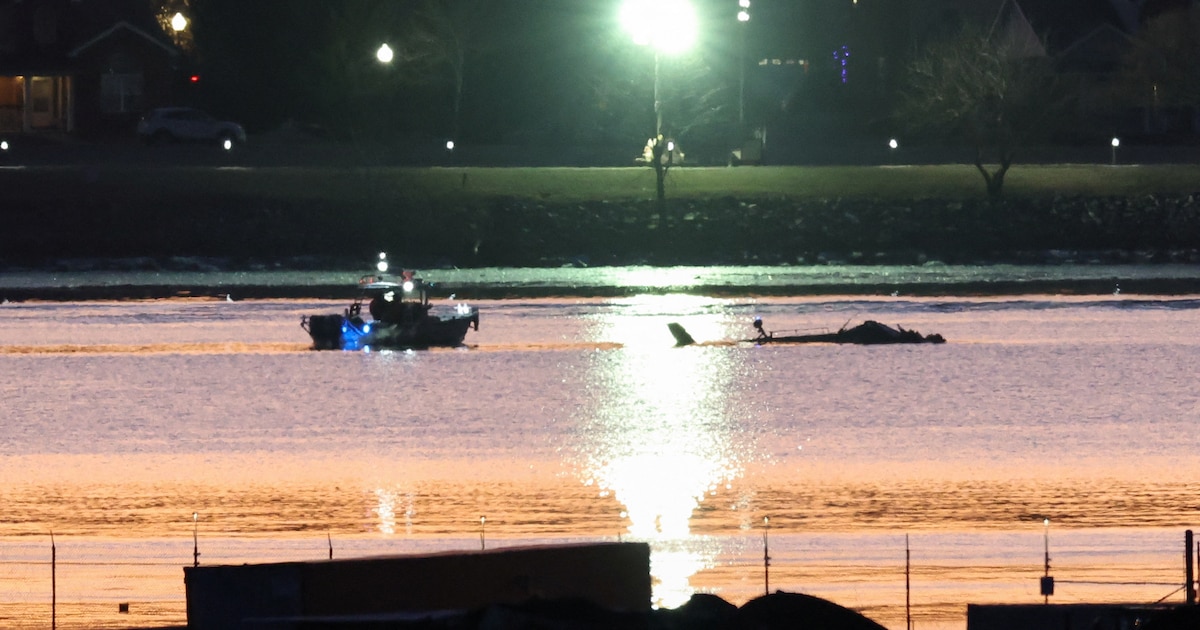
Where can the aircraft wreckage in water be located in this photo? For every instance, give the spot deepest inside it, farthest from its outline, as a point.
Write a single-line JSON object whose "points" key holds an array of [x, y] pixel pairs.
{"points": [[870, 332]]}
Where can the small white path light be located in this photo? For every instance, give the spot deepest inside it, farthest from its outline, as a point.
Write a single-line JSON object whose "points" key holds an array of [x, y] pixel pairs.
{"points": [[384, 54], [1116, 142]]}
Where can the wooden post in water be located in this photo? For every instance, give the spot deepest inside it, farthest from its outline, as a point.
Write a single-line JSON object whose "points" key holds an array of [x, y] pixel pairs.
{"points": [[1189, 568], [195, 539], [907, 585], [766, 556], [482, 522], [1047, 581], [53, 583]]}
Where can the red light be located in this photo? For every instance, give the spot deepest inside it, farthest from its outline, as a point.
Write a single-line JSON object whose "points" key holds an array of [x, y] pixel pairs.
{"points": [[195, 78]]}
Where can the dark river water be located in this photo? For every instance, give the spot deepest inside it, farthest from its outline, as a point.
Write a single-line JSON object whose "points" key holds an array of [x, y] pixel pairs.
{"points": [[130, 426]]}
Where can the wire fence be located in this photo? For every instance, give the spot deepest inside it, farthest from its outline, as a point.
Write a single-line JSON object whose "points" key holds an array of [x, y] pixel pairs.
{"points": [[113, 583]]}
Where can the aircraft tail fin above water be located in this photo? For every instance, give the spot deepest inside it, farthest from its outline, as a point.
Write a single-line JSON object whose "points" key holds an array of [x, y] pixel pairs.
{"points": [[682, 338]]}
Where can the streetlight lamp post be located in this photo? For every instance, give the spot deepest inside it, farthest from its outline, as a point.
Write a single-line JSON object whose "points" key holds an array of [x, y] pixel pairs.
{"points": [[667, 26], [743, 16]]}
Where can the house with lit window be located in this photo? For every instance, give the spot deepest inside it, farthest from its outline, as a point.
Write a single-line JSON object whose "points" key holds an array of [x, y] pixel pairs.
{"points": [[87, 67]]}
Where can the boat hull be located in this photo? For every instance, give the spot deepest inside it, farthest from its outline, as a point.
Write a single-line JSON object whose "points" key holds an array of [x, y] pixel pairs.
{"points": [[335, 332]]}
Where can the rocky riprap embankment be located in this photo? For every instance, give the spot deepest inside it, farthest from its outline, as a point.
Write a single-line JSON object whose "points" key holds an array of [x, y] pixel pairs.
{"points": [[521, 232]]}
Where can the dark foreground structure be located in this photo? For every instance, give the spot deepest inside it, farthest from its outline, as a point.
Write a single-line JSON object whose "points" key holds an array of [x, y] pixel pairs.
{"points": [[586, 586], [1082, 616]]}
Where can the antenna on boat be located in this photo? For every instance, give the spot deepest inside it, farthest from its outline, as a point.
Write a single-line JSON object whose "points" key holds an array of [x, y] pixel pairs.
{"points": [[847, 322], [329, 539], [482, 521]]}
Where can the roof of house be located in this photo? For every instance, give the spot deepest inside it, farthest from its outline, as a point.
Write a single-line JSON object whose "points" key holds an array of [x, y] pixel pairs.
{"points": [[1097, 52], [1059, 23], [1062, 23], [124, 26], [45, 36]]}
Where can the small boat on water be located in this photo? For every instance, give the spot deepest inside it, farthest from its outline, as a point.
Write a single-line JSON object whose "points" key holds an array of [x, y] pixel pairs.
{"points": [[870, 332], [399, 316]]}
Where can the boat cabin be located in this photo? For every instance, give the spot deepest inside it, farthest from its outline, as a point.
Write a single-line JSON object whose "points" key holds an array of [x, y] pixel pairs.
{"points": [[389, 301]]}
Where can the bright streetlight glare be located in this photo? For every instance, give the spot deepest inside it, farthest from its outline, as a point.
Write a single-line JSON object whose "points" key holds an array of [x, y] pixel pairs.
{"points": [[178, 22], [669, 26], [1116, 142], [384, 54]]}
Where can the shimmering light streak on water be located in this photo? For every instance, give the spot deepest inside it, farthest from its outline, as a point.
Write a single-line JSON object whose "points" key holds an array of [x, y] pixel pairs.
{"points": [[386, 511], [659, 435]]}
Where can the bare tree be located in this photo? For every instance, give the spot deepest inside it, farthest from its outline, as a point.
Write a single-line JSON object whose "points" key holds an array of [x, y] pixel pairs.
{"points": [[439, 40], [986, 90]]}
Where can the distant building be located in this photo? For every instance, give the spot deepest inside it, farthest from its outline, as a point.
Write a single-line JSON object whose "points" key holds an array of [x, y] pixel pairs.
{"points": [[86, 66]]}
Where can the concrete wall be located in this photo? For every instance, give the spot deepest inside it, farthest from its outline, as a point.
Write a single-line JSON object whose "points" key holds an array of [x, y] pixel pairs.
{"points": [[615, 576]]}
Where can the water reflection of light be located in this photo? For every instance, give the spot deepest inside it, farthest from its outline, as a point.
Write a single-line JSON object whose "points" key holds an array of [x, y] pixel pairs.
{"points": [[385, 509], [661, 433]]}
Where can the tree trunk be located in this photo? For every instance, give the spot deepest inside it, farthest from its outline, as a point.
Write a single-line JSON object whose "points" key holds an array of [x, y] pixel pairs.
{"points": [[994, 180], [660, 173]]}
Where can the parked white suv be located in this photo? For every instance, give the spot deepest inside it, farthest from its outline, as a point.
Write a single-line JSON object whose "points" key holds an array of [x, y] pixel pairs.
{"points": [[171, 124]]}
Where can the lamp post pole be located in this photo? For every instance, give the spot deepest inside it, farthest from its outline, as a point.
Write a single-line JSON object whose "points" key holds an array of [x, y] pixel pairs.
{"points": [[743, 16], [658, 115], [667, 26]]}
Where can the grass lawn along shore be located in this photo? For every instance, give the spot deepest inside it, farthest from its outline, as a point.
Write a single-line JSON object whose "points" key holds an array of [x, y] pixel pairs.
{"points": [[581, 184], [480, 217]]}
